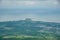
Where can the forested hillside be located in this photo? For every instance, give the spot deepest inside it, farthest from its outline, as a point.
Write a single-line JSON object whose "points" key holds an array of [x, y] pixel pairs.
{"points": [[29, 30]]}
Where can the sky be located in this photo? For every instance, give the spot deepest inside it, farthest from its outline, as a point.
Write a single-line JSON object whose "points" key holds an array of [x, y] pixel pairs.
{"points": [[41, 10]]}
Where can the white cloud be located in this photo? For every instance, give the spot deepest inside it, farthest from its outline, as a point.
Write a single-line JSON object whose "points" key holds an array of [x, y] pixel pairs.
{"points": [[17, 3], [29, 3]]}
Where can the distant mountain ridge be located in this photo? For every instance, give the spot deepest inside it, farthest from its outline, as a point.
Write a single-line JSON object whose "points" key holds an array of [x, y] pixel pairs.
{"points": [[29, 27]]}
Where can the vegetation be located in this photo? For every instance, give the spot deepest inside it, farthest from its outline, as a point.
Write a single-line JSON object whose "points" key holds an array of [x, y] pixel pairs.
{"points": [[25, 37], [29, 30]]}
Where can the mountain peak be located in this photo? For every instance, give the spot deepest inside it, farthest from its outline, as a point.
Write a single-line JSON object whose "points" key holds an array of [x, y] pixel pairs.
{"points": [[28, 19]]}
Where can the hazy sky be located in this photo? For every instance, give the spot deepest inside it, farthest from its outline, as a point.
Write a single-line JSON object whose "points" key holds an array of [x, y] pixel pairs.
{"points": [[43, 10]]}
